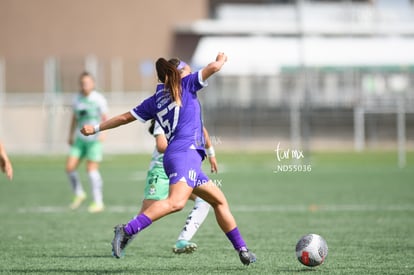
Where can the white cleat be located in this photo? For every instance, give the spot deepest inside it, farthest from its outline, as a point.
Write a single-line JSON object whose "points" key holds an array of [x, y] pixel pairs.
{"points": [[96, 207], [77, 201]]}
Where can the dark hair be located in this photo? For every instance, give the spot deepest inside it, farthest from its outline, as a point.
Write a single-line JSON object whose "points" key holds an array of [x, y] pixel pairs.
{"points": [[151, 127], [85, 73], [170, 76], [175, 61]]}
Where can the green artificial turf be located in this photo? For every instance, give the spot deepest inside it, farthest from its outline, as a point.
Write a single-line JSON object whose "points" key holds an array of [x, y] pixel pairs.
{"points": [[361, 203]]}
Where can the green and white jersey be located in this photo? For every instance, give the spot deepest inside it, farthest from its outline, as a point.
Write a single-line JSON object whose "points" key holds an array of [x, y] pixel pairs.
{"points": [[157, 157], [89, 110]]}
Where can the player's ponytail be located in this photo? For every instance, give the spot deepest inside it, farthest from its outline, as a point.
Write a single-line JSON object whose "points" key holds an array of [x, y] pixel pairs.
{"points": [[170, 76]]}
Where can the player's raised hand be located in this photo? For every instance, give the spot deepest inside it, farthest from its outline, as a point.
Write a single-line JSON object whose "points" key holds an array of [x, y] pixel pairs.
{"points": [[214, 66], [221, 57], [88, 130]]}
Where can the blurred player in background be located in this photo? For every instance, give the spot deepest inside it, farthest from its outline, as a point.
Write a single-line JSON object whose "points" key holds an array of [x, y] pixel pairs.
{"points": [[157, 187], [89, 106], [5, 164], [176, 108]]}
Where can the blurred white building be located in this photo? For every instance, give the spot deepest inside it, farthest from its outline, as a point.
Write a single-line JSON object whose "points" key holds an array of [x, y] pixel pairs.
{"points": [[328, 61], [374, 41]]}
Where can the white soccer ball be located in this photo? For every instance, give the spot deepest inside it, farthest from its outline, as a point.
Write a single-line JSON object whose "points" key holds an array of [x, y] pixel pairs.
{"points": [[311, 250]]}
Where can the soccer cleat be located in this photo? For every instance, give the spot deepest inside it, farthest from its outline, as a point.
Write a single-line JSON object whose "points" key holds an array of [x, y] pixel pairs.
{"points": [[183, 246], [120, 241], [96, 207], [77, 201], [247, 257]]}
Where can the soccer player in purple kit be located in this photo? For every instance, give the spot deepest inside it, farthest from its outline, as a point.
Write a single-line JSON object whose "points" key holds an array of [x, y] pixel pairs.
{"points": [[157, 188], [176, 108]]}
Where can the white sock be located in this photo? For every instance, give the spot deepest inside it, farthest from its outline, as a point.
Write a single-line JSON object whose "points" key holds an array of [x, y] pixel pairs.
{"points": [[76, 183], [194, 219], [96, 184]]}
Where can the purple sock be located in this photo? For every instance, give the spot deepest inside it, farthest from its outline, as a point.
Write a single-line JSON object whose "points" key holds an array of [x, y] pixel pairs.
{"points": [[236, 239], [137, 224]]}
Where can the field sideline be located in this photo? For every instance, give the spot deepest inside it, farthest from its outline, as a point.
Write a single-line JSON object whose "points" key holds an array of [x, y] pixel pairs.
{"points": [[361, 203]]}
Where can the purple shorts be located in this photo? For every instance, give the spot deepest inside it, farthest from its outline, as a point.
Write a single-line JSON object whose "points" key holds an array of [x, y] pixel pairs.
{"points": [[185, 166]]}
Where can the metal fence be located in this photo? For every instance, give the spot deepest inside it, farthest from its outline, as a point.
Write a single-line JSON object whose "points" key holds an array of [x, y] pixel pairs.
{"points": [[316, 108]]}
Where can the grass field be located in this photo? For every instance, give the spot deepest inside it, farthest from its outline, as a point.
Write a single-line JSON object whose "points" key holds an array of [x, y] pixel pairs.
{"points": [[362, 204]]}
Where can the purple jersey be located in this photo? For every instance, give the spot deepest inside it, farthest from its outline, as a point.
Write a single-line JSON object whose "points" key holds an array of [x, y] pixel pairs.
{"points": [[183, 125]]}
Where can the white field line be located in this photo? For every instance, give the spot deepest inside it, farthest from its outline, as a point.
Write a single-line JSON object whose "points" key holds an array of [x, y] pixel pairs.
{"points": [[234, 208]]}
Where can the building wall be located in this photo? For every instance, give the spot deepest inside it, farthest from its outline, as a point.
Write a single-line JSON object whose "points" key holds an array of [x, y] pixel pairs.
{"points": [[134, 30]]}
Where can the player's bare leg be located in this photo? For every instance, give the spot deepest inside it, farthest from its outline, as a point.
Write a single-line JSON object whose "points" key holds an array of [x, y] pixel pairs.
{"points": [[213, 195], [71, 166], [145, 205], [177, 198]]}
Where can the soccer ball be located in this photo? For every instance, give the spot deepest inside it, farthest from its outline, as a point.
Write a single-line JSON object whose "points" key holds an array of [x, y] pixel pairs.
{"points": [[311, 250]]}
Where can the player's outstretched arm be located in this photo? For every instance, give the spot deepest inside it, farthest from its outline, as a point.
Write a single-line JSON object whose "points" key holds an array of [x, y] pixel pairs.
{"points": [[72, 129], [104, 118], [215, 66], [114, 122], [161, 143], [5, 163]]}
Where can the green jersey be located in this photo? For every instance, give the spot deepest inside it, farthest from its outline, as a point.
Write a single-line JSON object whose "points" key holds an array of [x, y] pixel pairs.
{"points": [[89, 110]]}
